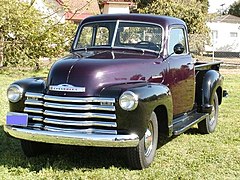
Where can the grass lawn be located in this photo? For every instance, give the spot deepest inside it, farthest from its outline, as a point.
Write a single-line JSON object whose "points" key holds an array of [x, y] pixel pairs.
{"points": [[188, 156]]}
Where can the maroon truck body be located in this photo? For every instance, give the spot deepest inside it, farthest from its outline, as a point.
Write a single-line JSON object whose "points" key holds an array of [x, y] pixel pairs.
{"points": [[128, 80]]}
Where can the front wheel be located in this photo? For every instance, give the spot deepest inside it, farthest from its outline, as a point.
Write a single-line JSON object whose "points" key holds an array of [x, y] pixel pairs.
{"points": [[142, 156], [209, 124]]}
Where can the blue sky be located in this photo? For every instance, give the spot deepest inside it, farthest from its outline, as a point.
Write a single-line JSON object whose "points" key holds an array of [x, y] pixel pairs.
{"points": [[216, 5]]}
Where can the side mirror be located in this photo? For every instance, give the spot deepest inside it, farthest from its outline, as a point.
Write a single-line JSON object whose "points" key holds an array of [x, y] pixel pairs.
{"points": [[178, 48]]}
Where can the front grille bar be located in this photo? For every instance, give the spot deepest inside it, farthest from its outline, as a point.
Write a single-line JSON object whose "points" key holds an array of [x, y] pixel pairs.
{"points": [[70, 99], [33, 110], [79, 107], [69, 106], [79, 123], [79, 100], [79, 115]]}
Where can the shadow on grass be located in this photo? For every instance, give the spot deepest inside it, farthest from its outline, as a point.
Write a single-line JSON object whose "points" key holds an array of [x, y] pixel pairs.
{"points": [[193, 131], [60, 157], [63, 157]]}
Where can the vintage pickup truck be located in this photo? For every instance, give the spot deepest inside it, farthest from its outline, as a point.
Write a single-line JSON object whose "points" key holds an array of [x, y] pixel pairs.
{"points": [[129, 79]]}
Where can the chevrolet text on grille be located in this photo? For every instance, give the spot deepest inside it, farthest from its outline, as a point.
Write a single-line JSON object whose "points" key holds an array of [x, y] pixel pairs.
{"points": [[66, 88]]}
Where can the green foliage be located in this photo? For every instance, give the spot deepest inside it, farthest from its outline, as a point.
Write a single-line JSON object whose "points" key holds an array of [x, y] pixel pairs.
{"points": [[194, 13], [235, 9], [143, 3], [28, 36], [191, 14]]}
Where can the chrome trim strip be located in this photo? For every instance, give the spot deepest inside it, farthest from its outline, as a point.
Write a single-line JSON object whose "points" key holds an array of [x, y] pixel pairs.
{"points": [[115, 33], [79, 107], [183, 129], [33, 110], [36, 118], [34, 95], [92, 139], [84, 131], [33, 102], [35, 125], [80, 100], [79, 123], [79, 115]]}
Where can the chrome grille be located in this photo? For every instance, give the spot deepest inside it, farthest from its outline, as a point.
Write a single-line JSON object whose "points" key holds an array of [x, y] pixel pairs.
{"points": [[76, 114]]}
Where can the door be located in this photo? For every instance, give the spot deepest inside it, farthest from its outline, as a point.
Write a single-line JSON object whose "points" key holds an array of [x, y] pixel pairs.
{"points": [[181, 77]]}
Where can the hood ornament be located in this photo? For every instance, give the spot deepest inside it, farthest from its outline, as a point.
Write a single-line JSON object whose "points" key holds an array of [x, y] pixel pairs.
{"points": [[66, 88]]}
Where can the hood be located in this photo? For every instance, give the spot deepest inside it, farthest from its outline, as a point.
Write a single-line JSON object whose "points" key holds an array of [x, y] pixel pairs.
{"points": [[87, 74]]}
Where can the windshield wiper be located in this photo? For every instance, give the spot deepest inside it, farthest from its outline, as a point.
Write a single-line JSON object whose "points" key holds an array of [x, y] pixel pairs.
{"points": [[77, 54]]}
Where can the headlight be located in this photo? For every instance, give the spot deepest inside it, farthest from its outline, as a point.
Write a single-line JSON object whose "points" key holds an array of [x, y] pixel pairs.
{"points": [[14, 93], [128, 101]]}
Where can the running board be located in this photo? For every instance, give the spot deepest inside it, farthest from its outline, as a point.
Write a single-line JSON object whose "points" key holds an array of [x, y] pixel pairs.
{"points": [[185, 122]]}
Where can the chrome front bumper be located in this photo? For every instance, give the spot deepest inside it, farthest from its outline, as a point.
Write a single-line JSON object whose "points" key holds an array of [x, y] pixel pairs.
{"points": [[72, 138]]}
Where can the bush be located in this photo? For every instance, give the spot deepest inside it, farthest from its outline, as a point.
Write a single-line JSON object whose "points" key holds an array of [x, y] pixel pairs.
{"points": [[27, 36], [194, 13]]}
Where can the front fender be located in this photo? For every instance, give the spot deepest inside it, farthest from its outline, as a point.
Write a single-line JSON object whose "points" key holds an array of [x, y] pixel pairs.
{"points": [[35, 84], [211, 81], [150, 96]]}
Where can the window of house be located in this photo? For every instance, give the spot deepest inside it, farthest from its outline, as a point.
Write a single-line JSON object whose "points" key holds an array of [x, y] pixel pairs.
{"points": [[214, 34], [177, 35], [233, 34]]}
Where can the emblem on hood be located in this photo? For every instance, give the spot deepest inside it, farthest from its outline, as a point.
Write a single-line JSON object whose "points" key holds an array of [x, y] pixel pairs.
{"points": [[66, 88]]}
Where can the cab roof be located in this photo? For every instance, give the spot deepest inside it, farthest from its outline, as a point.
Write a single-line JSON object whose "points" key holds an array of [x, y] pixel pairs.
{"points": [[157, 19]]}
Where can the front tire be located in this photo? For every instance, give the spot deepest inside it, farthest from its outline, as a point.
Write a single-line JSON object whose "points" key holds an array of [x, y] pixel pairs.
{"points": [[32, 149], [209, 124], [142, 156]]}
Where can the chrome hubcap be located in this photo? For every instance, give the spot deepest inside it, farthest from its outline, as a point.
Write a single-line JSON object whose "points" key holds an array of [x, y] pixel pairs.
{"points": [[148, 139]]}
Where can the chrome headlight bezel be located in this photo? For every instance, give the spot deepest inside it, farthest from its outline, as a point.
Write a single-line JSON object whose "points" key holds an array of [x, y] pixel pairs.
{"points": [[128, 101], [14, 93]]}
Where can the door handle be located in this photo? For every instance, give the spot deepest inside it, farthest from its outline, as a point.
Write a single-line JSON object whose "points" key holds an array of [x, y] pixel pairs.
{"points": [[191, 63], [160, 76]]}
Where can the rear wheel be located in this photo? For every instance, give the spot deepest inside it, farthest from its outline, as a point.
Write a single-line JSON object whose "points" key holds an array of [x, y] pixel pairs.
{"points": [[209, 124], [32, 149], [142, 156]]}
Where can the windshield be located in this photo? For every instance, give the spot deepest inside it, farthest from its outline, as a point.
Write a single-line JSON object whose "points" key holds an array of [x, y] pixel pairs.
{"points": [[122, 34]]}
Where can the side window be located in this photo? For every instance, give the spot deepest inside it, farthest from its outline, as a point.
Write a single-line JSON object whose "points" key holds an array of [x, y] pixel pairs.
{"points": [[177, 35]]}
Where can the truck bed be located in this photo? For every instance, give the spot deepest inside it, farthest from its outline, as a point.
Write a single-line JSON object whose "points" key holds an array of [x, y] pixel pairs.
{"points": [[199, 66]]}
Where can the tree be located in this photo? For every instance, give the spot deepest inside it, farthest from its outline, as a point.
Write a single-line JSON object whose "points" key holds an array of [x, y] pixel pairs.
{"points": [[193, 12], [234, 9], [28, 36]]}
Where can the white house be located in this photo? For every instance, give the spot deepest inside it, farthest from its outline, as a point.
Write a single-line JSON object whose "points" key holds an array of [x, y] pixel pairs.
{"points": [[117, 6], [225, 34]]}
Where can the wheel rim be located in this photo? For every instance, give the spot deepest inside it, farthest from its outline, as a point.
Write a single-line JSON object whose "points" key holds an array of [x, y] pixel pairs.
{"points": [[148, 139]]}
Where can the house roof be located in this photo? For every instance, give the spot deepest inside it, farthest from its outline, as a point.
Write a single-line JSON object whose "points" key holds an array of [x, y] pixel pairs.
{"points": [[227, 19], [117, 1], [79, 9]]}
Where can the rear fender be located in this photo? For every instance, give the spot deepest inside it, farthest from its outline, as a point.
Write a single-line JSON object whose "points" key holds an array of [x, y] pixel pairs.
{"points": [[208, 83]]}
